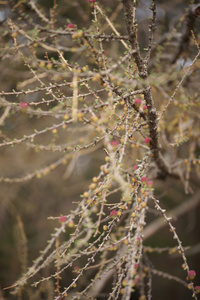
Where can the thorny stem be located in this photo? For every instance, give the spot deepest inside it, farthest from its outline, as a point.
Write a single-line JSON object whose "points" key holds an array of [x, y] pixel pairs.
{"points": [[142, 65]]}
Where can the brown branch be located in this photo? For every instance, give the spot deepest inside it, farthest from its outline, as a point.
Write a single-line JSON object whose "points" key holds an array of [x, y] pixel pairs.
{"points": [[153, 133], [152, 28], [131, 28], [192, 14], [142, 65]]}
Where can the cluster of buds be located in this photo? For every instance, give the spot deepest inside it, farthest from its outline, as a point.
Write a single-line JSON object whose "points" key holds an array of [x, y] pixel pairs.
{"points": [[145, 181], [138, 103], [190, 277]]}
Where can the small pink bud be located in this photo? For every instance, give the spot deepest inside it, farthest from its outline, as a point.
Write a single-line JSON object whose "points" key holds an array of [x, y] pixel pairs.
{"points": [[114, 143], [145, 110], [197, 289], [91, 2], [143, 179], [23, 105], [191, 275], [147, 141], [62, 219], [71, 26], [135, 167], [76, 269], [149, 183], [137, 102], [136, 266], [113, 213], [138, 241]]}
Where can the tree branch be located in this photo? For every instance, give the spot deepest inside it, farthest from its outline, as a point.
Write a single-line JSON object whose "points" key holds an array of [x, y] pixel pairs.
{"points": [[192, 14]]}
